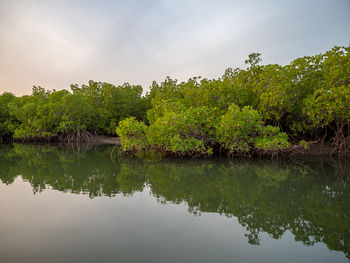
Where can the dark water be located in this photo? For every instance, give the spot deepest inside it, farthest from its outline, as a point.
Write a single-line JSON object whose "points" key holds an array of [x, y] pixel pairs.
{"points": [[59, 204]]}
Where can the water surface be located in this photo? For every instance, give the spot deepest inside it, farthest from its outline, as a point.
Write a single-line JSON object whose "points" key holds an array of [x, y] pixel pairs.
{"points": [[62, 204]]}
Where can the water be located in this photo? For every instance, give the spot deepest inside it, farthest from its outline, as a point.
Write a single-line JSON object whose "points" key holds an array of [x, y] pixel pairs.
{"points": [[61, 204]]}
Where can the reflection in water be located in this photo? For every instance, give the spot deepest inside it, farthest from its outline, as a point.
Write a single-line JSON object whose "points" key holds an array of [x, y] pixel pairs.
{"points": [[311, 200]]}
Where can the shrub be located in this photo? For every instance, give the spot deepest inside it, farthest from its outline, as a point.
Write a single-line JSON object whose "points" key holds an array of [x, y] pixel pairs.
{"points": [[240, 131], [237, 128], [132, 134], [184, 132], [272, 140]]}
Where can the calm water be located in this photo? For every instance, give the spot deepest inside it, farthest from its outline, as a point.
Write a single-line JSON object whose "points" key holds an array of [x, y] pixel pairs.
{"points": [[75, 205]]}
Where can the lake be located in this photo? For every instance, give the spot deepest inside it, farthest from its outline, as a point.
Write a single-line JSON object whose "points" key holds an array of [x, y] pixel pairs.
{"points": [[77, 204]]}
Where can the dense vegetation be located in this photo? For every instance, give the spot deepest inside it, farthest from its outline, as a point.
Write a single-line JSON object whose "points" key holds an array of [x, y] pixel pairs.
{"points": [[308, 199], [95, 108], [263, 109]]}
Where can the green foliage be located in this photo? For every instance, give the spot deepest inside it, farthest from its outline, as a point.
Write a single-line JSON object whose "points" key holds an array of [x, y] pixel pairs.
{"points": [[77, 114], [241, 130], [161, 107], [273, 92], [272, 139], [329, 105], [304, 144], [308, 98], [237, 128], [187, 131], [96, 107], [254, 59], [182, 132], [33, 114], [7, 121], [132, 134]]}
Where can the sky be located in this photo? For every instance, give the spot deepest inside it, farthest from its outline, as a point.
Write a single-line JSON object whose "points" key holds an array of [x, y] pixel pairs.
{"points": [[53, 44]]}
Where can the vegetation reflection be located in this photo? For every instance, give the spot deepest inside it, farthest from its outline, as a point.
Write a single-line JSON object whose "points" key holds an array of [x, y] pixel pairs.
{"points": [[309, 199]]}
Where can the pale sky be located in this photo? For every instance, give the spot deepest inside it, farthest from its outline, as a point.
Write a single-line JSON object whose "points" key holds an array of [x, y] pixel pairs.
{"points": [[57, 43]]}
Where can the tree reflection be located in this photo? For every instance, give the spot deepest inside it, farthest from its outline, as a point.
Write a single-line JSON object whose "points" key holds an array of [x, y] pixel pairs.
{"points": [[309, 199]]}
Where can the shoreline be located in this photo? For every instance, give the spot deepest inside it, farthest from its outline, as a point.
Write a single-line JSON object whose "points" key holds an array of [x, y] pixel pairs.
{"points": [[100, 139], [316, 149]]}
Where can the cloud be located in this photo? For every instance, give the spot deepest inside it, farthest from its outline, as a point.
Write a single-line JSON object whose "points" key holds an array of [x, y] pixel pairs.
{"points": [[56, 43]]}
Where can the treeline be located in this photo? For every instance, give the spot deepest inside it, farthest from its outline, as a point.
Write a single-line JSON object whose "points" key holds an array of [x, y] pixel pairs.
{"points": [[263, 109], [73, 115]]}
